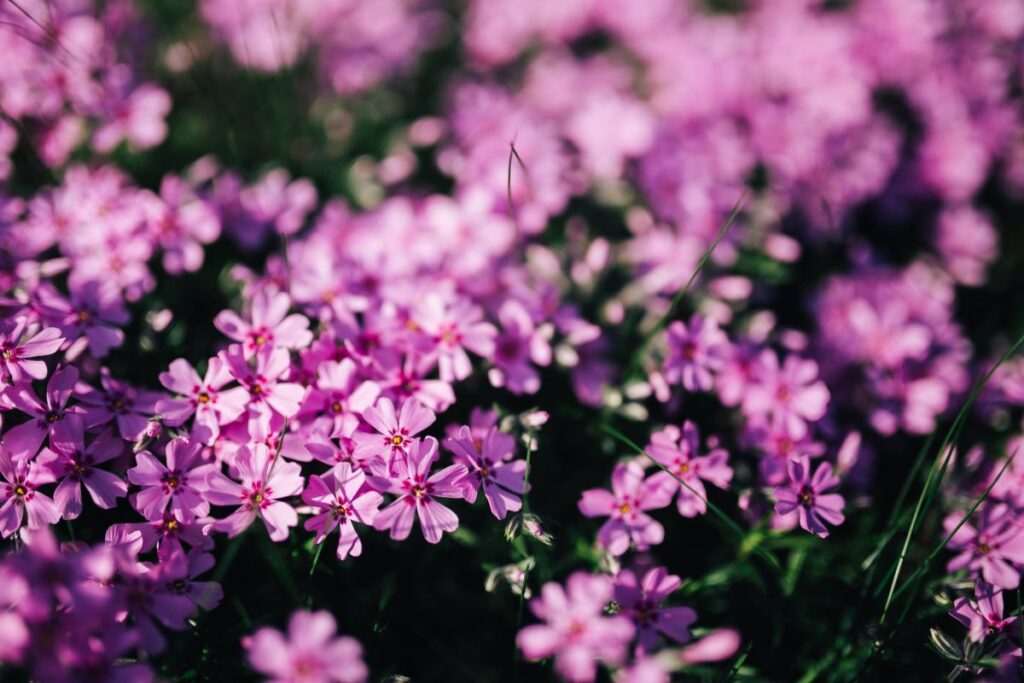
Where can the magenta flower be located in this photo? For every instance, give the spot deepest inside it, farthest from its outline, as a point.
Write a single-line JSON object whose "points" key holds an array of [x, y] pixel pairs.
{"points": [[44, 420], [179, 484], [309, 654], [205, 398], [452, 330], [994, 550], [20, 496], [16, 355], [136, 117], [265, 480], [339, 396], [129, 407], [519, 346], [488, 466], [269, 396], [94, 313], [806, 495], [149, 600], [676, 450], [625, 507], [394, 432], [409, 478], [182, 223], [74, 465], [342, 500], [640, 600], [270, 326], [695, 352], [577, 633], [179, 572], [983, 615], [791, 394]]}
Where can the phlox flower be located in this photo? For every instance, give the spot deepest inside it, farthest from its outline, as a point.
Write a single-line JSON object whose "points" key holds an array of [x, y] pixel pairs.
{"points": [[407, 380], [129, 407], [20, 495], [983, 614], [695, 351], [805, 494], [269, 395], [136, 117], [625, 506], [149, 599], [18, 356], [340, 499], [453, 328], [676, 450], [310, 653], [339, 396], [44, 419], [791, 393], [417, 492], [179, 484], [994, 550], [488, 467], [520, 345], [93, 313], [205, 398], [395, 432], [265, 480], [640, 600], [270, 325], [181, 222], [74, 465], [576, 631], [179, 572]]}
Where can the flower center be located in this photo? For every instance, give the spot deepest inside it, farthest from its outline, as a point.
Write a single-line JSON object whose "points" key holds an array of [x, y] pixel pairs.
{"points": [[418, 491], [20, 491], [336, 407], [260, 340], [52, 417], [203, 397], [256, 390], [984, 548], [684, 468], [83, 316], [806, 496], [625, 508], [397, 440]]}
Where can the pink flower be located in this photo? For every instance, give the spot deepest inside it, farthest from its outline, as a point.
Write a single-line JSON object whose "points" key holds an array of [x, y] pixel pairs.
{"points": [[268, 395], [342, 500], [131, 408], [677, 451], [519, 345], [983, 615], [791, 394], [44, 420], [93, 315], [714, 647], [137, 117], [271, 325], [310, 654], [577, 633], [695, 352], [15, 354], [20, 496], [339, 396], [452, 330], [394, 432], [625, 507], [180, 483], [409, 478], [994, 550], [204, 397], [641, 602], [182, 223], [806, 495], [487, 462], [265, 481], [74, 464]]}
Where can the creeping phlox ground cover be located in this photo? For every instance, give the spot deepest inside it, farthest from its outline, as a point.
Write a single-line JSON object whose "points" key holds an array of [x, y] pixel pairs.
{"points": [[494, 340]]}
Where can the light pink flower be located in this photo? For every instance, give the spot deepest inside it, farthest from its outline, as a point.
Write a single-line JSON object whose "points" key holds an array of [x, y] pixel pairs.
{"points": [[74, 464], [418, 491], [576, 631], [270, 325], [205, 398], [309, 654], [340, 499], [677, 450], [489, 467], [625, 506], [179, 484], [20, 496], [265, 480], [394, 432], [16, 355]]}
